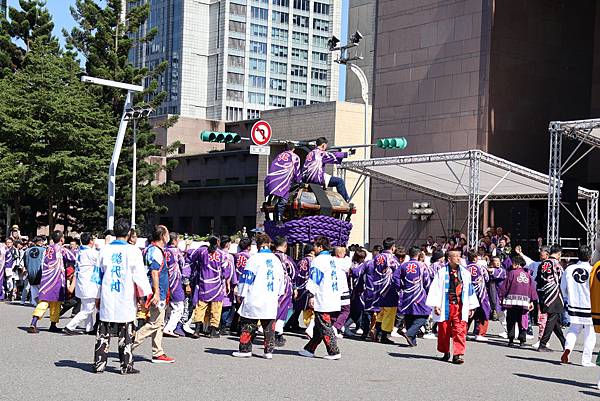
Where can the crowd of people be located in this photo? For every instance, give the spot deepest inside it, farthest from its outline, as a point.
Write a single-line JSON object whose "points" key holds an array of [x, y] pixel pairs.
{"points": [[253, 286]]}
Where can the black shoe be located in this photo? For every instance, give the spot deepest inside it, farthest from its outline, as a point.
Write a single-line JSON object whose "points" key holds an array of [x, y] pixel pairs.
{"points": [[385, 340], [410, 341], [197, 331], [458, 360], [445, 357], [54, 329], [33, 330], [70, 332], [495, 316], [543, 348], [279, 340], [92, 333], [522, 344], [510, 343], [214, 333], [130, 371]]}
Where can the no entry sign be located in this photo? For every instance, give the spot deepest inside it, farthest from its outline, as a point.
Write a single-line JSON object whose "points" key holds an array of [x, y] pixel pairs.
{"points": [[261, 133]]}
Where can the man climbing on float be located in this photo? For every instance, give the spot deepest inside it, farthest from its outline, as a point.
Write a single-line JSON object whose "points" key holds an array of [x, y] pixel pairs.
{"points": [[284, 171], [314, 168]]}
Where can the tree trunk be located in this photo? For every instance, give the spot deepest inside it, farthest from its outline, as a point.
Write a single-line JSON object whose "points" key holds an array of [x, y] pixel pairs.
{"points": [[51, 222], [66, 216]]}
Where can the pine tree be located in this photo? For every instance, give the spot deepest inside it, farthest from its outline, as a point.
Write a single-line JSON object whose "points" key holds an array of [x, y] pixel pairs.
{"points": [[105, 42]]}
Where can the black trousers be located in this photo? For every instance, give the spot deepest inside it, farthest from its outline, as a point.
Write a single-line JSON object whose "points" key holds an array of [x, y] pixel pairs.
{"points": [[125, 333], [553, 326], [514, 317], [323, 331], [249, 327]]}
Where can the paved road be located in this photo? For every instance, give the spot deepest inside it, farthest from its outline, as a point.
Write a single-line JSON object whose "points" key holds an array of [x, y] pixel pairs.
{"points": [[51, 366]]}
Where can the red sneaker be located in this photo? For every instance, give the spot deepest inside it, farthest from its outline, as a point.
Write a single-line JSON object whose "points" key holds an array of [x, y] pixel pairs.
{"points": [[162, 359]]}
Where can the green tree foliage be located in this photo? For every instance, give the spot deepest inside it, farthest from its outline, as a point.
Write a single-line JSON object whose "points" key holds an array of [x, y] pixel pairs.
{"points": [[57, 135]]}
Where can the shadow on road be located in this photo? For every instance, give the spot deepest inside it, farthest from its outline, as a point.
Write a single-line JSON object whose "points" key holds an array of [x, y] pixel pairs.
{"points": [[533, 359], [591, 393], [413, 356], [556, 380]]}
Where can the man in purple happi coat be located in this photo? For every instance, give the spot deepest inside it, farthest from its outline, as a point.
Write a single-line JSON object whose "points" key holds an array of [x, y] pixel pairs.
{"points": [[314, 168], [284, 171], [412, 280], [285, 300], [211, 265], [230, 284], [479, 278], [175, 263], [53, 284], [385, 264]]}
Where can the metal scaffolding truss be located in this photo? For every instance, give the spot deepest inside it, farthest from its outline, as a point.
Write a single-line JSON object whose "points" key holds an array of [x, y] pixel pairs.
{"points": [[469, 176], [587, 132]]}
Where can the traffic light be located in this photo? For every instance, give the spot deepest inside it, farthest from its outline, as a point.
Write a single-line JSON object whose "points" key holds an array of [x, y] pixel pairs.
{"points": [[392, 143], [220, 137]]}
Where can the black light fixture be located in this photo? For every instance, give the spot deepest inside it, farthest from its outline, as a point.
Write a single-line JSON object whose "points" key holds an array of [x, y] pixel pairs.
{"points": [[333, 42], [356, 37], [137, 112]]}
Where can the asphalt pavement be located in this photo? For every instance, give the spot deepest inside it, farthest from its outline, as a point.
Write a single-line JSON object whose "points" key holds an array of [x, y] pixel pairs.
{"points": [[49, 366]]}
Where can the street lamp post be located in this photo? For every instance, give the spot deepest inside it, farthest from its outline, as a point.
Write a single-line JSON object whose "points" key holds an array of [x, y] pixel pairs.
{"points": [[112, 169], [134, 114], [346, 60]]}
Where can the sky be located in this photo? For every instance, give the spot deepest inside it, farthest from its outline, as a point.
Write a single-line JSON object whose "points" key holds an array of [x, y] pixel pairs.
{"points": [[62, 19]]}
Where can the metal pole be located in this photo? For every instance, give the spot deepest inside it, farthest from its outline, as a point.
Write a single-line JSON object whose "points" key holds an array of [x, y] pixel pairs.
{"points": [[473, 218], [134, 177], [114, 161], [554, 175], [364, 84], [592, 221]]}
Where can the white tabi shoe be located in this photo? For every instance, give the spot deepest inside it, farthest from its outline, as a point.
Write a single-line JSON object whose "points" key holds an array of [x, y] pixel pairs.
{"points": [[394, 333], [238, 354], [306, 353], [332, 357], [481, 339]]}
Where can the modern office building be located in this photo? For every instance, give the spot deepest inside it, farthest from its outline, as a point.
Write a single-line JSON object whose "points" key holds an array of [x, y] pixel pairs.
{"points": [[361, 17], [232, 59]]}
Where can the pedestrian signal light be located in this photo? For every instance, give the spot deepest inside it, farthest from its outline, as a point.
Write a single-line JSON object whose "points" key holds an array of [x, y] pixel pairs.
{"points": [[220, 137], [392, 143]]}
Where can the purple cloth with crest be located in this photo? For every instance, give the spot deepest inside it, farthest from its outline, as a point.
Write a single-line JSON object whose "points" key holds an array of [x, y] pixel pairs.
{"points": [[284, 171], [285, 300], [480, 278], [209, 271], [175, 262], [385, 265], [314, 165], [53, 284], [412, 280]]}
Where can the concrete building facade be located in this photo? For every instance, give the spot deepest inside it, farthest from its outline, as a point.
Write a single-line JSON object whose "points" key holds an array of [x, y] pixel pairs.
{"points": [[473, 74]]}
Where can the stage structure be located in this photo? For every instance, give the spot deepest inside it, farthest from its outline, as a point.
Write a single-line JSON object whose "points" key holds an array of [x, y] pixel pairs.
{"points": [[471, 176], [587, 132]]}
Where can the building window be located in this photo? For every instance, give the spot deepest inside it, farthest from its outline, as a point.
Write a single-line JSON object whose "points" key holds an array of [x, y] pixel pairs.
{"points": [[278, 84], [236, 61], [300, 38], [282, 3], [278, 68], [321, 25], [298, 54], [252, 115], [237, 44], [259, 13], [299, 71], [236, 26], [261, 1], [300, 21], [282, 18], [298, 88], [279, 34], [237, 9], [258, 30], [236, 96], [298, 102], [318, 90], [236, 79], [321, 8], [277, 101], [279, 51], [258, 47], [256, 98], [234, 113], [258, 65], [317, 73], [302, 5], [320, 41], [257, 81], [318, 57]]}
